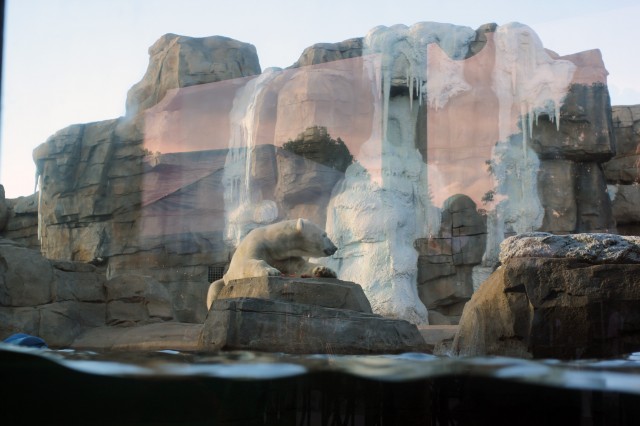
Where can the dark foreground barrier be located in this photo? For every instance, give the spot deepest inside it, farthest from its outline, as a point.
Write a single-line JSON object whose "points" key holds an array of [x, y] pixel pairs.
{"points": [[37, 389]]}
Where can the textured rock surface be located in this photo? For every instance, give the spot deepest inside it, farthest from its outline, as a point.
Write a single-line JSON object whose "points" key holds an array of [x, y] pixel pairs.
{"points": [[445, 264], [269, 325], [90, 191], [150, 337], [316, 144], [564, 297], [586, 131], [177, 61], [623, 171], [55, 300], [153, 193], [593, 248], [136, 300], [308, 167], [328, 52], [626, 208], [326, 292], [558, 195], [4, 210], [105, 196], [22, 221], [623, 168], [62, 300]]}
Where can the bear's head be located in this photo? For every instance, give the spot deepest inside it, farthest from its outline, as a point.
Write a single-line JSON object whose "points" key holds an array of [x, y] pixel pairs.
{"points": [[314, 239]]}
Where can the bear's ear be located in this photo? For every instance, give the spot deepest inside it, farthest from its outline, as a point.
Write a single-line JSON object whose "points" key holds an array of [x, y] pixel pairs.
{"points": [[299, 225]]}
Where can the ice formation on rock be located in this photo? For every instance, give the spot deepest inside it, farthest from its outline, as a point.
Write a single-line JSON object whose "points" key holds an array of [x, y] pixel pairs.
{"points": [[528, 83], [527, 80], [375, 222], [480, 110], [376, 214], [404, 54], [244, 208]]}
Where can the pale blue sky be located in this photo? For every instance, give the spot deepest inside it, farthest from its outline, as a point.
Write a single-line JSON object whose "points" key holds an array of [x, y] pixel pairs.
{"points": [[72, 61]]}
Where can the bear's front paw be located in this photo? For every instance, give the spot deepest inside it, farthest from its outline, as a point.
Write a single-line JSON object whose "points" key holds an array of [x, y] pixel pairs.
{"points": [[273, 272], [323, 272]]}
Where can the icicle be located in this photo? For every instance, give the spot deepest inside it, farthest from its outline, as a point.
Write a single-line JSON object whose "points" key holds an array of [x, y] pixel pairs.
{"points": [[410, 82], [386, 93]]}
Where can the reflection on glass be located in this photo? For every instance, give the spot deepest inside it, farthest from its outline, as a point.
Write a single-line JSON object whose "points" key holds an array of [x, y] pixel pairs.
{"points": [[439, 153]]}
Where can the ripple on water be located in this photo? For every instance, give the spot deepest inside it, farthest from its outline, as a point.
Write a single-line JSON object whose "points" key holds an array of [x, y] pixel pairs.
{"points": [[619, 375]]}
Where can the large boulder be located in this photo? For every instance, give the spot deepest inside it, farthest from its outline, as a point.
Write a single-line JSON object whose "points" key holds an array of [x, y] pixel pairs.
{"points": [[326, 292], [623, 171], [327, 52], [149, 337], [446, 262], [277, 326], [69, 304], [569, 297], [623, 168], [104, 195], [137, 300], [22, 223], [585, 131], [308, 168], [56, 300], [626, 208], [26, 278], [558, 195], [179, 61]]}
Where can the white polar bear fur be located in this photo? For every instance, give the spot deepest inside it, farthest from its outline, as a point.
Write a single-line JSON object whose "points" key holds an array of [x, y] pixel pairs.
{"points": [[276, 249]]}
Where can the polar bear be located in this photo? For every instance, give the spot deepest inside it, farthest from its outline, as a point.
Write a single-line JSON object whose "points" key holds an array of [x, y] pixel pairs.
{"points": [[276, 249]]}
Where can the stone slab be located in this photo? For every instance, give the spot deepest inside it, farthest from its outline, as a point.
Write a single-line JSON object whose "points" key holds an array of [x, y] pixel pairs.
{"points": [[168, 335], [435, 334], [325, 292], [279, 326]]}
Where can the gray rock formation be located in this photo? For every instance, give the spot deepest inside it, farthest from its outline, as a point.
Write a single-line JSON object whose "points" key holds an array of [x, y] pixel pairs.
{"points": [[22, 221], [110, 194], [481, 38], [56, 300], [177, 61], [568, 297], [623, 171], [328, 52], [136, 300], [326, 292], [149, 337], [105, 196], [445, 263], [63, 301], [299, 325], [4, 210]]}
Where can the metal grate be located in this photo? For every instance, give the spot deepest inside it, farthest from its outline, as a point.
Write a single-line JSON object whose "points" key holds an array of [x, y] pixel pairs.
{"points": [[215, 273]]}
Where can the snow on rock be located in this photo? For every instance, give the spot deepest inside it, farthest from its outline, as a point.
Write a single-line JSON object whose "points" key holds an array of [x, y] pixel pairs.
{"points": [[374, 221], [527, 80], [595, 248], [383, 204], [404, 54]]}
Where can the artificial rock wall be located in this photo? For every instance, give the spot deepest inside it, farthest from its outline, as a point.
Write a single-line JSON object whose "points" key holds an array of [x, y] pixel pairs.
{"points": [[443, 161]]}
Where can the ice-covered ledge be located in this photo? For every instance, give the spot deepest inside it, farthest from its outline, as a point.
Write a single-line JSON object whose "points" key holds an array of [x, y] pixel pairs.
{"points": [[598, 248]]}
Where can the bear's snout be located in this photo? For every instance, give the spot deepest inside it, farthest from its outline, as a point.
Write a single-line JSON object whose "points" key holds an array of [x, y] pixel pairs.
{"points": [[329, 251]]}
